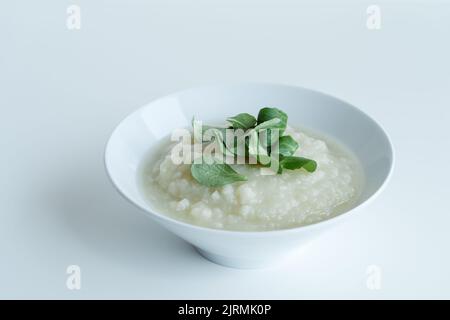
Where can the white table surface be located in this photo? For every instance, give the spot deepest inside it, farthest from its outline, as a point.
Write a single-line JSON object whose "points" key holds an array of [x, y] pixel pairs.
{"points": [[63, 91]]}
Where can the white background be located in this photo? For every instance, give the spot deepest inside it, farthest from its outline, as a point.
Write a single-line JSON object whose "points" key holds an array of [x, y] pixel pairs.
{"points": [[63, 91]]}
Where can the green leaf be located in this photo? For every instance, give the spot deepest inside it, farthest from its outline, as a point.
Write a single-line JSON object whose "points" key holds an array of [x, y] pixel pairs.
{"points": [[273, 163], [241, 142], [242, 121], [269, 124], [266, 133], [253, 143], [265, 140], [267, 114], [215, 175], [292, 163], [287, 146], [257, 136], [257, 149]]}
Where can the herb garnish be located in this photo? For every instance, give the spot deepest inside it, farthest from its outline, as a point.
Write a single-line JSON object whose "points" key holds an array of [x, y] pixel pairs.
{"points": [[258, 145]]}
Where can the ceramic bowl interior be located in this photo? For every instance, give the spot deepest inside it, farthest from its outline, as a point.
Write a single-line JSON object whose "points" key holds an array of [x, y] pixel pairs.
{"points": [[140, 131]]}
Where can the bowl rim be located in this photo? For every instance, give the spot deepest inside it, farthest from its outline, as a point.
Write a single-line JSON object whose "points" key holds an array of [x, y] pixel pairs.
{"points": [[253, 233]]}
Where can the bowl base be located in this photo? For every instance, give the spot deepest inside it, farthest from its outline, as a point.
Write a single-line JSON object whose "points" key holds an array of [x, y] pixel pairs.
{"points": [[233, 262]]}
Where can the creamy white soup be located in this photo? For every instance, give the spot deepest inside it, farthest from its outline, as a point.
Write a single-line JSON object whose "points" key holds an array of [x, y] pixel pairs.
{"points": [[263, 202]]}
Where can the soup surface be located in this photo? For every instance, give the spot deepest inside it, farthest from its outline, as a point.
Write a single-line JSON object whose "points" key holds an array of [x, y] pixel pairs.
{"points": [[263, 202]]}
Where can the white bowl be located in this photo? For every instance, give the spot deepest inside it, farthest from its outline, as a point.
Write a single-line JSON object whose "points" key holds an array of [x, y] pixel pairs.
{"points": [[141, 130]]}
